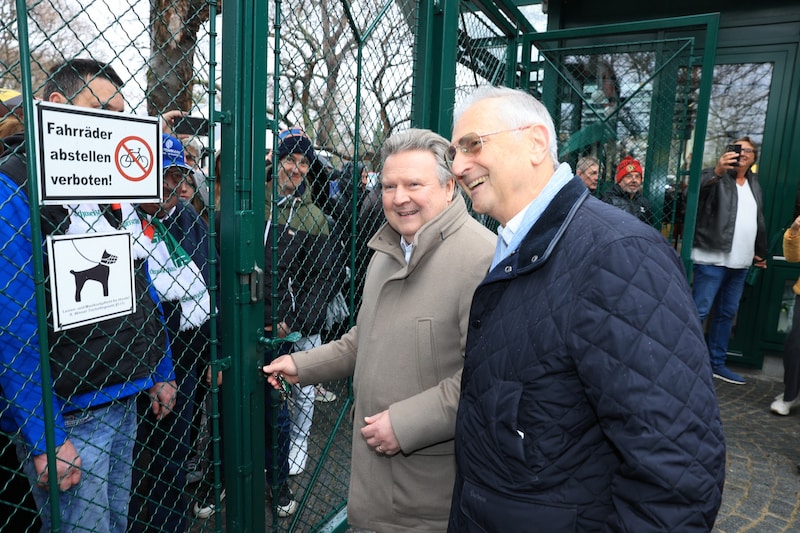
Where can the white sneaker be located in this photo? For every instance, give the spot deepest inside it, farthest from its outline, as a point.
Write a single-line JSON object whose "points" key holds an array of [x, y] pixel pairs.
{"points": [[286, 503], [323, 395], [206, 506], [779, 407]]}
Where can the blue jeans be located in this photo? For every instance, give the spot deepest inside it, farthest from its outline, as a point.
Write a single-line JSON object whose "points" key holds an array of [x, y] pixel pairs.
{"points": [[104, 438], [722, 288]]}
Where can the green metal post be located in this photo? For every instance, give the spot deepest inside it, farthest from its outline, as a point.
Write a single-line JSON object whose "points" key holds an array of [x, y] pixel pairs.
{"points": [[703, 103], [242, 249], [435, 66], [38, 266], [662, 111]]}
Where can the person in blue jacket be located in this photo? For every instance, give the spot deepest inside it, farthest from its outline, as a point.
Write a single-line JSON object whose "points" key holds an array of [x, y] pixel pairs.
{"points": [[587, 400], [97, 369]]}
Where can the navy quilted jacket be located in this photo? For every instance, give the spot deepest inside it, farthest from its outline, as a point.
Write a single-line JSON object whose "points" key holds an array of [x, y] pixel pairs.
{"points": [[587, 401]]}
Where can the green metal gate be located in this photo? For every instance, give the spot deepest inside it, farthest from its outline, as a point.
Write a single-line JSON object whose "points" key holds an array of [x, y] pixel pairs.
{"points": [[348, 75], [341, 72], [624, 89]]}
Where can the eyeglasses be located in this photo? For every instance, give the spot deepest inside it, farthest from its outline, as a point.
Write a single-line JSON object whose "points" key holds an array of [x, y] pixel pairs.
{"points": [[472, 143], [175, 176], [747, 151]]}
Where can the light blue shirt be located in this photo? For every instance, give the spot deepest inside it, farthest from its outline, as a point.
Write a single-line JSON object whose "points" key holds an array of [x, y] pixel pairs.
{"points": [[407, 249], [510, 236]]}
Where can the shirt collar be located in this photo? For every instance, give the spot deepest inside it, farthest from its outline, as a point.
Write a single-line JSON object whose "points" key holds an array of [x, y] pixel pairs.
{"points": [[407, 249], [510, 236]]}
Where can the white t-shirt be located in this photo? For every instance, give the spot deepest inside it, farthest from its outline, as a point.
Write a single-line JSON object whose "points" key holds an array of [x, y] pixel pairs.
{"points": [[745, 230]]}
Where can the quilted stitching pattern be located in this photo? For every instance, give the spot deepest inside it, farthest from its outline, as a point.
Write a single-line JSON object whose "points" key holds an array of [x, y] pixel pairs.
{"points": [[605, 330]]}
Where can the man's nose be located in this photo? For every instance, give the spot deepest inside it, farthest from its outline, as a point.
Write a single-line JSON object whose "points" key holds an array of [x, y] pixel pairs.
{"points": [[460, 164], [400, 195]]}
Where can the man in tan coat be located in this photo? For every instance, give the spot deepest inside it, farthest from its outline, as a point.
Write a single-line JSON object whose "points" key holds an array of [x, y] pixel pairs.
{"points": [[406, 351]]}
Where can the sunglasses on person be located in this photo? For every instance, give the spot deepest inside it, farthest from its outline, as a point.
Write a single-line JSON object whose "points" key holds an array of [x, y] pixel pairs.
{"points": [[472, 144]]}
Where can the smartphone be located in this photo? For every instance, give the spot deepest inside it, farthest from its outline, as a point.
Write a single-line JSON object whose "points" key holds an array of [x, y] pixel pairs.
{"points": [[735, 148], [191, 126]]}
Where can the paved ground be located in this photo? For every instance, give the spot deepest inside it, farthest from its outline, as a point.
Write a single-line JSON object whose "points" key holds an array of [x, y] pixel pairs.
{"points": [[762, 485]]}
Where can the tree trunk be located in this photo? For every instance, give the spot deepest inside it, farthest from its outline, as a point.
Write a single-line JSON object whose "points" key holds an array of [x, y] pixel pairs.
{"points": [[173, 37]]}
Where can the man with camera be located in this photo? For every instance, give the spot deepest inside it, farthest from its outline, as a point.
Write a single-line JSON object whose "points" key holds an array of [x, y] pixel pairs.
{"points": [[729, 237]]}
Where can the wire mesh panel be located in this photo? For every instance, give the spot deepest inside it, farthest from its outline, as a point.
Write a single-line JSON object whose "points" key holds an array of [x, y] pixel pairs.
{"points": [[628, 100], [342, 75], [116, 403], [609, 102], [342, 80]]}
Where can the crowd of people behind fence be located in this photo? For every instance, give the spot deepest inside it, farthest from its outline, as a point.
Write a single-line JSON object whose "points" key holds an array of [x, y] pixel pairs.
{"points": [[499, 380]]}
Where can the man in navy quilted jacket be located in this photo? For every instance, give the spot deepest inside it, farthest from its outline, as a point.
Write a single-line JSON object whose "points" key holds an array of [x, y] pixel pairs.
{"points": [[587, 401]]}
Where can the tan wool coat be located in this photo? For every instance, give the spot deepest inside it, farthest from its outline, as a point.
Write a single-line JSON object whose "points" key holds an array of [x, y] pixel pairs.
{"points": [[405, 354]]}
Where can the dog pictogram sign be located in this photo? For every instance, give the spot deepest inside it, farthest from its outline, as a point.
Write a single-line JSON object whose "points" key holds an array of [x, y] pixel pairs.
{"points": [[91, 278]]}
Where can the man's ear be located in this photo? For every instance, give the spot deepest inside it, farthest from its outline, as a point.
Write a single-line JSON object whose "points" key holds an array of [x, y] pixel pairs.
{"points": [[57, 98], [540, 143]]}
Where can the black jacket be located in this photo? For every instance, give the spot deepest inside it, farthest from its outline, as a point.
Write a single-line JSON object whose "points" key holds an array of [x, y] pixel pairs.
{"points": [[113, 351], [638, 206], [716, 212]]}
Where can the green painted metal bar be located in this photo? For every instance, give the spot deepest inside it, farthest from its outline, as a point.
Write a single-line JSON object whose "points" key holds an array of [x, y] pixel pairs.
{"points": [[435, 66], [506, 16], [38, 266], [270, 343], [355, 178], [662, 110], [626, 27], [241, 230], [709, 47], [214, 354], [511, 75]]}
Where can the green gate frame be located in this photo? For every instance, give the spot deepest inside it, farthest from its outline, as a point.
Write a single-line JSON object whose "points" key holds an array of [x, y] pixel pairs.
{"points": [[709, 29], [243, 129]]}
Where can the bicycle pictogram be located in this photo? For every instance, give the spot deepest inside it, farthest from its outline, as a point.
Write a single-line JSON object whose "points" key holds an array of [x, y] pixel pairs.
{"points": [[128, 158], [134, 158]]}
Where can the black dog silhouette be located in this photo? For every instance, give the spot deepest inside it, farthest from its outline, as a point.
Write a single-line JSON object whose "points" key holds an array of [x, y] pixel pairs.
{"points": [[98, 273]]}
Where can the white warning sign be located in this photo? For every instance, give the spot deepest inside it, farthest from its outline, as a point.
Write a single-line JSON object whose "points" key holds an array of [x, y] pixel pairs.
{"points": [[91, 278], [96, 155]]}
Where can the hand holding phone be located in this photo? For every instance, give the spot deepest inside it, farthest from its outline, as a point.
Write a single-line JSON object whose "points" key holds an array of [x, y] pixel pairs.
{"points": [[735, 148], [187, 125]]}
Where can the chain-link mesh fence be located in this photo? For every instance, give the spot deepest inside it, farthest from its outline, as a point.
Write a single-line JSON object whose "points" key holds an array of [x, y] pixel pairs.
{"points": [[632, 98], [338, 83], [344, 78], [103, 415]]}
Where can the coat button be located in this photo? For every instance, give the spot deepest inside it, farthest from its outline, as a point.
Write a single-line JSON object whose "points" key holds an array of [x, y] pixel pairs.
{"points": [[534, 258], [476, 324], [508, 270]]}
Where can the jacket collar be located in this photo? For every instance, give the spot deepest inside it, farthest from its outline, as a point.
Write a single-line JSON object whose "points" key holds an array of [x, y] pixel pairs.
{"points": [[539, 243]]}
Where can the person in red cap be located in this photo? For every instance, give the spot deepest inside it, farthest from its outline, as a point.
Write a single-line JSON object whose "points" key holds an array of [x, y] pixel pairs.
{"points": [[627, 191]]}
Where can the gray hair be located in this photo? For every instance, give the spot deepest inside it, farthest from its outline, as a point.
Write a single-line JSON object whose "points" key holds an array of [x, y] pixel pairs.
{"points": [[193, 144], [585, 162], [423, 140], [519, 109]]}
